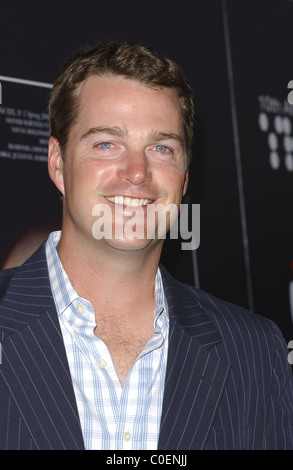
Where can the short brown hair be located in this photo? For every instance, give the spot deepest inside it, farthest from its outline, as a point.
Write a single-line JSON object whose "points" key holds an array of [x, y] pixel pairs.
{"points": [[116, 59]]}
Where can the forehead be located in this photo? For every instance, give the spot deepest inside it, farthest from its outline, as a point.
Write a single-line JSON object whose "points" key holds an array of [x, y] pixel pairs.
{"points": [[110, 97]]}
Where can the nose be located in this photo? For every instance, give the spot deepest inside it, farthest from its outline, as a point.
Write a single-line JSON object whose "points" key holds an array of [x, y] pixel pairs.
{"points": [[134, 168]]}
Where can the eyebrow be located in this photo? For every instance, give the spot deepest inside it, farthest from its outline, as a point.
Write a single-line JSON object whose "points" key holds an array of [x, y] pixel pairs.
{"points": [[118, 132], [167, 136]]}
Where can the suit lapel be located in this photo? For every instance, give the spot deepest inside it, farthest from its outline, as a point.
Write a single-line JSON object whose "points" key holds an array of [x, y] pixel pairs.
{"points": [[34, 363], [195, 376]]}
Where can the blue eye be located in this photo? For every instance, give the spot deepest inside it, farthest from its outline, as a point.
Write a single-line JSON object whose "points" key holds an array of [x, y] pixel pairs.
{"points": [[105, 145], [161, 148]]}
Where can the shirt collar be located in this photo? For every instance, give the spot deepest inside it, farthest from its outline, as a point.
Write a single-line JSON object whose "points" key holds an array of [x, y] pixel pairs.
{"points": [[64, 293]]}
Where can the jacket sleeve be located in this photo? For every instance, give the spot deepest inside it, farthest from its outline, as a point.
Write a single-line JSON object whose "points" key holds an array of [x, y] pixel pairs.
{"points": [[279, 424], [14, 434]]}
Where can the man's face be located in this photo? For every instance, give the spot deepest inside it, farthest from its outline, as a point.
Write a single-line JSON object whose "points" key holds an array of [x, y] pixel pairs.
{"points": [[124, 154]]}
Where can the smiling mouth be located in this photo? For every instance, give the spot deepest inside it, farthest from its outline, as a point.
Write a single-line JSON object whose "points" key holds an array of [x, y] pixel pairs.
{"points": [[129, 201]]}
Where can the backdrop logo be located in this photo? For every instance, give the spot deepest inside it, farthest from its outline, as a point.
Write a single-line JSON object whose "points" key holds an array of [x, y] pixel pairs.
{"points": [[290, 94], [290, 355], [275, 121]]}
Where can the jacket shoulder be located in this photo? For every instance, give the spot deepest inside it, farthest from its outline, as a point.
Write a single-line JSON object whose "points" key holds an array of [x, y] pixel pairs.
{"points": [[226, 316], [24, 293]]}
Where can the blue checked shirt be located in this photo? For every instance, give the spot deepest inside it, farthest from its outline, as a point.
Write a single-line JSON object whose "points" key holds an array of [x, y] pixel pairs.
{"points": [[112, 417]]}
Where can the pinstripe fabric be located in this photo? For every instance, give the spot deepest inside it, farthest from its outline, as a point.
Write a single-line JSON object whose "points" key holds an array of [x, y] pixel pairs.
{"points": [[228, 382], [238, 391], [37, 398]]}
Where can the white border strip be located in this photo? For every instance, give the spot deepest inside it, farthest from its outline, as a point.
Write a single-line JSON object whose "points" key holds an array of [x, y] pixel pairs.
{"points": [[25, 82]]}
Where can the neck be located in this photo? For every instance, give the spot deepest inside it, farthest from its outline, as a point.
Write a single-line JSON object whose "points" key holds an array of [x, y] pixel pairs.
{"points": [[108, 277]]}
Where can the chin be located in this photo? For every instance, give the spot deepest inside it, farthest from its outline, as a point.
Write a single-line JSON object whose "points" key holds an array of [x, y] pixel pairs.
{"points": [[134, 245]]}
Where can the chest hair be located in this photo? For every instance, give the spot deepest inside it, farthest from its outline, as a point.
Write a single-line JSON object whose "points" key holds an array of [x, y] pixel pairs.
{"points": [[124, 341]]}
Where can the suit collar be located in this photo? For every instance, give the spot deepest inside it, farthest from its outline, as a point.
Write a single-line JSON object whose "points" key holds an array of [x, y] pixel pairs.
{"points": [[186, 310], [195, 376]]}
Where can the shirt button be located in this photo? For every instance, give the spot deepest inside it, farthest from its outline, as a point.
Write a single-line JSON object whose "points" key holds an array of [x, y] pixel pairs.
{"points": [[80, 308], [102, 363], [127, 436]]}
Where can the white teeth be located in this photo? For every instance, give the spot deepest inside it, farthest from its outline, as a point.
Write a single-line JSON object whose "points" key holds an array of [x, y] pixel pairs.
{"points": [[129, 201], [118, 199]]}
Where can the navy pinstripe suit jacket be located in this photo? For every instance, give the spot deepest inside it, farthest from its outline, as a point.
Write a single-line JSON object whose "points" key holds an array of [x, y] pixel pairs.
{"points": [[228, 381]]}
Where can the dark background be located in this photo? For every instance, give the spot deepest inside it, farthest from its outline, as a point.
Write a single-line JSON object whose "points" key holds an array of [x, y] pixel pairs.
{"points": [[236, 56]]}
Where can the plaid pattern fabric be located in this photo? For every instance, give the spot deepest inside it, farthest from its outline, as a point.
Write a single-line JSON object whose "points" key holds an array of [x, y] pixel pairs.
{"points": [[112, 417]]}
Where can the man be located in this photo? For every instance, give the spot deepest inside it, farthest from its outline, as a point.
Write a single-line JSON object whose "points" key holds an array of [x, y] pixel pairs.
{"points": [[101, 347]]}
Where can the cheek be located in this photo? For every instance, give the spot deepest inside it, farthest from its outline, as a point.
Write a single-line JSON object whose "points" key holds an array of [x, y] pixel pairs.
{"points": [[87, 175], [172, 181]]}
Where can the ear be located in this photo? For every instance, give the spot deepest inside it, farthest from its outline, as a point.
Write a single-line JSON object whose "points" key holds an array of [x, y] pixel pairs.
{"points": [[185, 183], [55, 164]]}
